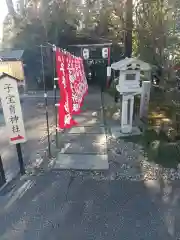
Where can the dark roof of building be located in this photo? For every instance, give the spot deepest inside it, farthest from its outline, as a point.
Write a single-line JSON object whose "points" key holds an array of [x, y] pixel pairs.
{"points": [[11, 54]]}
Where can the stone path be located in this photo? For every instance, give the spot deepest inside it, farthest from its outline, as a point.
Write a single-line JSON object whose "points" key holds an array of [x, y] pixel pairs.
{"points": [[85, 146]]}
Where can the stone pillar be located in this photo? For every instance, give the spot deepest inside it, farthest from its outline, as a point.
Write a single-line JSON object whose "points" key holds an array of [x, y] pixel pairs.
{"points": [[127, 113], [131, 111], [145, 97], [124, 113], [147, 75]]}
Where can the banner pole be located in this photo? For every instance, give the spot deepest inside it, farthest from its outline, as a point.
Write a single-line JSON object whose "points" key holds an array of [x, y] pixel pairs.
{"points": [[55, 91], [46, 102], [109, 64], [3, 177]]}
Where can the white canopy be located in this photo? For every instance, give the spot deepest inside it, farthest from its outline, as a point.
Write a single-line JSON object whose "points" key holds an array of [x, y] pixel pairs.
{"points": [[122, 65]]}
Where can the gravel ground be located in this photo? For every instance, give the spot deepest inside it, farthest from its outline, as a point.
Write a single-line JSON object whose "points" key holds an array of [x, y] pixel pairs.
{"points": [[128, 160]]}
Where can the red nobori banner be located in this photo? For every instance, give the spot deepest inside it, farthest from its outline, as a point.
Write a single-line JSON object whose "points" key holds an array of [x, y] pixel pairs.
{"points": [[65, 107], [78, 82], [73, 87]]}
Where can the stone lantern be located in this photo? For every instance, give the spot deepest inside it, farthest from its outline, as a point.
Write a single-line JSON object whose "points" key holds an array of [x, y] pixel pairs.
{"points": [[129, 86]]}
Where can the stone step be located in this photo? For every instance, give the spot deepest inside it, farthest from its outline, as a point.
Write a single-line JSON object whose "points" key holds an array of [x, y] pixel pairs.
{"points": [[82, 143], [86, 130], [88, 120], [81, 162]]}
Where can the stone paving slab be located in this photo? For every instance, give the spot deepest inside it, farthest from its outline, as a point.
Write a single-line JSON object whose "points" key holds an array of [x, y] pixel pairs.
{"points": [[81, 162], [87, 130], [88, 121], [83, 143]]}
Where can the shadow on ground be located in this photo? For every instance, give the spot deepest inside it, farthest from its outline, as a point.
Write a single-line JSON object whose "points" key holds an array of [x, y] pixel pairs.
{"points": [[55, 205]]}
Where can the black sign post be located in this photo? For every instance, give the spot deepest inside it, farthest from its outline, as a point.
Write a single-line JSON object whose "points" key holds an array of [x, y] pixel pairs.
{"points": [[2, 173], [20, 159]]}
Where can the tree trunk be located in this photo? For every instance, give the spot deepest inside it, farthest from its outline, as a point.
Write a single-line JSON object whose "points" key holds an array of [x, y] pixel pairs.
{"points": [[21, 7], [10, 7], [129, 28]]}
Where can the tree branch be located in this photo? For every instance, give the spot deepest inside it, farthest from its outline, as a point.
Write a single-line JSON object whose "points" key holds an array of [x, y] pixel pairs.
{"points": [[11, 9]]}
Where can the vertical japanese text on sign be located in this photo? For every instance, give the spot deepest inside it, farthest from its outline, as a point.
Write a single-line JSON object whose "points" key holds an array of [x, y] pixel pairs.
{"points": [[12, 109]]}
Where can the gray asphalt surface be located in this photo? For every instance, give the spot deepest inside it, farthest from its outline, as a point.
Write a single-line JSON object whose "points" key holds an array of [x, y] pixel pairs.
{"points": [[57, 205], [35, 125]]}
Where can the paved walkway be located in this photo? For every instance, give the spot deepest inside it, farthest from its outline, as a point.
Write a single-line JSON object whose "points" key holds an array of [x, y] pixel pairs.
{"points": [[85, 146], [90, 205]]}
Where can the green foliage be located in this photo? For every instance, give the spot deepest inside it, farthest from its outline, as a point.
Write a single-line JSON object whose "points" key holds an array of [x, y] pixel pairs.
{"points": [[60, 22], [40, 22], [156, 26], [156, 32]]}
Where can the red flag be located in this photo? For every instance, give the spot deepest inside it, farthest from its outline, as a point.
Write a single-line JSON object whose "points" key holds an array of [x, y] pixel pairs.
{"points": [[65, 108], [76, 84], [79, 85], [73, 87]]}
